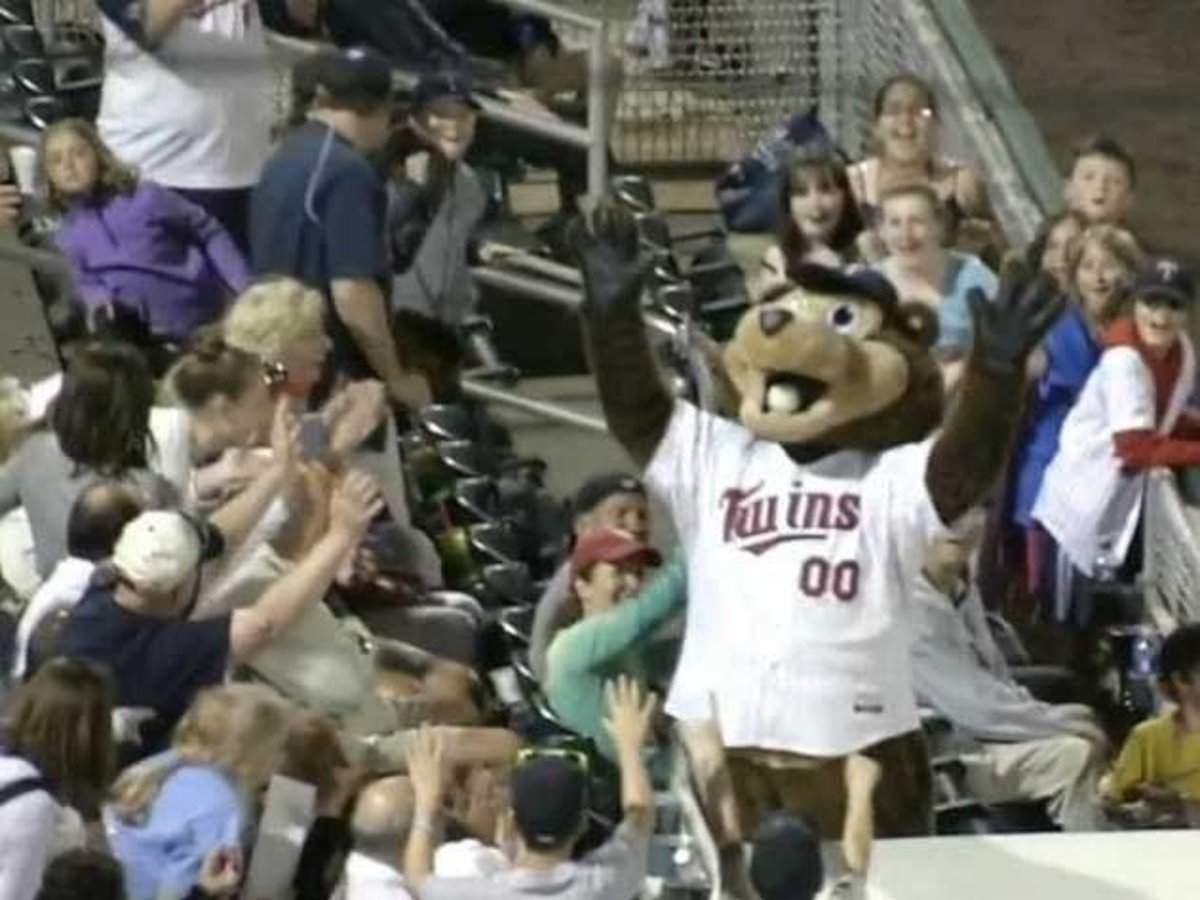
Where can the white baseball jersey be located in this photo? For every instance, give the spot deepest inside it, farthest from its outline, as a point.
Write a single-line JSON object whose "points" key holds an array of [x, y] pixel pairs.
{"points": [[797, 579], [196, 112], [1118, 396]]}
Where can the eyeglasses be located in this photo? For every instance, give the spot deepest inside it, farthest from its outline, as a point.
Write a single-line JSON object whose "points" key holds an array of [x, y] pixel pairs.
{"points": [[577, 758]]}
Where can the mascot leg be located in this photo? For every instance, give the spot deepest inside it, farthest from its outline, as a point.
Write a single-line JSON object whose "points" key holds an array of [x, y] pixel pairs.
{"points": [[861, 775], [884, 790], [710, 770], [904, 797]]}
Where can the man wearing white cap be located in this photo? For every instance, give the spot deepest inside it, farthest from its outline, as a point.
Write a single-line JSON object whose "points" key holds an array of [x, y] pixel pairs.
{"points": [[133, 615]]}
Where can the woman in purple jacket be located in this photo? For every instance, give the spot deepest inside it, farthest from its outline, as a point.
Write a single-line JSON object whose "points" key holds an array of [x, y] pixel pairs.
{"points": [[135, 243]]}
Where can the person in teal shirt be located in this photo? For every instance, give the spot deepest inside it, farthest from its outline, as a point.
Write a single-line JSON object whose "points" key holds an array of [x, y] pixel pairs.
{"points": [[621, 611]]}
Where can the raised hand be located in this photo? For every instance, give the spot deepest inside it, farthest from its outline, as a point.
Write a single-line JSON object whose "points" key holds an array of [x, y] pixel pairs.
{"points": [[605, 242], [285, 439], [630, 713], [1009, 327], [426, 759], [353, 414], [354, 503]]}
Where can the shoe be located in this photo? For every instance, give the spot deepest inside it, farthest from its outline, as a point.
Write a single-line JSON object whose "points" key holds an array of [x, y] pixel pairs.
{"points": [[849, 887]]}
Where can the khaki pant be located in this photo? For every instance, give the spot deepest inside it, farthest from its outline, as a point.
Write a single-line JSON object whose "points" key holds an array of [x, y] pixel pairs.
{"points": [[1063, 770], [815, 788]]}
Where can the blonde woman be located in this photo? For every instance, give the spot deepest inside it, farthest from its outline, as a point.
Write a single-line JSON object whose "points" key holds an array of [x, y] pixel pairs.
{"points": [[1099, 265], [281, 322], [169, 813]]}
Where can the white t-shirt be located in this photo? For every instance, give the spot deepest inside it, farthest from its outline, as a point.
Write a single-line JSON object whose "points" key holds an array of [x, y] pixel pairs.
{"points": [[172, 457], [369, 879], [797, 580], [1118, 396], [196, 112], [61, 591], [34, 828]]}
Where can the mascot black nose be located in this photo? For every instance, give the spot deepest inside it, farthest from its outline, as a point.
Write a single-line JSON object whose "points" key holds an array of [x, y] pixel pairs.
{"points": [[773, 319]]}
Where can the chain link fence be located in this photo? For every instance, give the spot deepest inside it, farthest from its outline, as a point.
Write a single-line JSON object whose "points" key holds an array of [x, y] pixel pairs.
{"points": [[706, 79]]}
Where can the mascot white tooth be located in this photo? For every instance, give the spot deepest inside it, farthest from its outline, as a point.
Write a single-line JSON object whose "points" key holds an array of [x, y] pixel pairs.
{"points": [[803, 520]]}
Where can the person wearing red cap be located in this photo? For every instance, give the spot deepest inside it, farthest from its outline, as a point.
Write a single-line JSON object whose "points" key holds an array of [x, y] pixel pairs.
{"points": [[618, 614]]}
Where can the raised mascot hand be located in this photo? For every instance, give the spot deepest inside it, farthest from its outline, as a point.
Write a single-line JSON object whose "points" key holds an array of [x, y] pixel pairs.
{"points": [[605, 242], [1009, 327], [636, 405]]}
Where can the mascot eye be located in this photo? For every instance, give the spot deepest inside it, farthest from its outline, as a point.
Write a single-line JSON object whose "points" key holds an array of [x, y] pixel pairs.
{"points": [[843, 317]]}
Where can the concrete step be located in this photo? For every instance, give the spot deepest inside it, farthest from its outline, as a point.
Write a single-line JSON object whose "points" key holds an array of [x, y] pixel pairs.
{"points": [[537, 195]]}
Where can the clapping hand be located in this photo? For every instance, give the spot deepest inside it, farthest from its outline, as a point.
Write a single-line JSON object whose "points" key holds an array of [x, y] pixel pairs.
{"points": [[355, 502], [285, 440]]}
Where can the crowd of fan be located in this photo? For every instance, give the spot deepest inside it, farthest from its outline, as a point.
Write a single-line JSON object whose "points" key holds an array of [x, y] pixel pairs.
{"points": [[188, 519]]}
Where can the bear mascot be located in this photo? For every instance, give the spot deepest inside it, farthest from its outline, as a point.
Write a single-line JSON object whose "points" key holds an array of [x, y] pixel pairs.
{"points": [[804, 520]]}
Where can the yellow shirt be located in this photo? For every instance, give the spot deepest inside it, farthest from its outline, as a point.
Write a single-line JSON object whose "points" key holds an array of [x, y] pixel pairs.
{"points": [[1158, 752]]}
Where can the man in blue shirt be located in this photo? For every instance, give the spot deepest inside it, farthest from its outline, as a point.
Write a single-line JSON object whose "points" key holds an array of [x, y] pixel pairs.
{"points": [[319, 214]]}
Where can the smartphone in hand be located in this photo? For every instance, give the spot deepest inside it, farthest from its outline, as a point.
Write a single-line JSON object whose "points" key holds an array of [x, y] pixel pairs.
{"points": [[314, 438]]}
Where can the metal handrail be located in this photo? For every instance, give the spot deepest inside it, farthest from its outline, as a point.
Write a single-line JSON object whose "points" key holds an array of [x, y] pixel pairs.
{"points": [[568, 298], [552, 411], [556, 11], [594, 138]]}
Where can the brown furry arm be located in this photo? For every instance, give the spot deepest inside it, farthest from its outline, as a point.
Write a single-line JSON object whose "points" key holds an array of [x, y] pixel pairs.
{"points": [[636, 404], [971, 452], [973, 447]]}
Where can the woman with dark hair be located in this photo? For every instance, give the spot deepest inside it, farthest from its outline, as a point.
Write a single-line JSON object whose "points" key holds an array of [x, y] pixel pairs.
{"points": [[102, 424], [818, 219], [904, 139], [56, 761]]}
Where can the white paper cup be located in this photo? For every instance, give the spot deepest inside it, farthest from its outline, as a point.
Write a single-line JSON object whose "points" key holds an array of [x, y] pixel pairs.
{"points": [[25, 166]]}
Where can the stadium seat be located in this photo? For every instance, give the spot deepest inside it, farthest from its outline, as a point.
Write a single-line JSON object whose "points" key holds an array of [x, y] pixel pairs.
{"points": [[16, 12]]}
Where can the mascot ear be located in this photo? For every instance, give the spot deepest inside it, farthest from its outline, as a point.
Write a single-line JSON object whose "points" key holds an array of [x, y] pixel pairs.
{"points": [[918, 322]]}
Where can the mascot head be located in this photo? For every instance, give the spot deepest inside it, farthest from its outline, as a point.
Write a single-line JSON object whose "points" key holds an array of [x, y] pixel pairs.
{"points": [[831, 360]]}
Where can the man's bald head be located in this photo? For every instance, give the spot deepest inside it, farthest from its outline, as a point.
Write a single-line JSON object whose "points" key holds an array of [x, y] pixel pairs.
{"points": [[383, 814], [99, 514]]}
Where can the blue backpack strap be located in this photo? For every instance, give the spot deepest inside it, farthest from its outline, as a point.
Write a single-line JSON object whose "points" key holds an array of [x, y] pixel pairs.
{"points": [[21, 787]]}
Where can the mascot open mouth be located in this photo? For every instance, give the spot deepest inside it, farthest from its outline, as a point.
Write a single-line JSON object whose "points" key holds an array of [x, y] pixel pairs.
{"points": [[789, 393]]}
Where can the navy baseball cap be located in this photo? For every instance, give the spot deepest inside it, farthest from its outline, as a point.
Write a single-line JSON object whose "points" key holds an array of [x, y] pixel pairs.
{"points": [[857, 282], [785, 862], [549, 800], [359, 77], [599, 488], [1167, 279], [444, 86]]}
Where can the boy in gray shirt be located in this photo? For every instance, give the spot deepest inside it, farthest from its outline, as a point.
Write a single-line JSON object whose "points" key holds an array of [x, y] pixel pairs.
{"points": [[549, 808]]}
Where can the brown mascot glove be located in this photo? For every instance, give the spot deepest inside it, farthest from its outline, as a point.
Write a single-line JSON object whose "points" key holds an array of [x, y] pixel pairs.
{"points": [[636, 405], [971, 452], [606, 245], [1009, 327]]}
